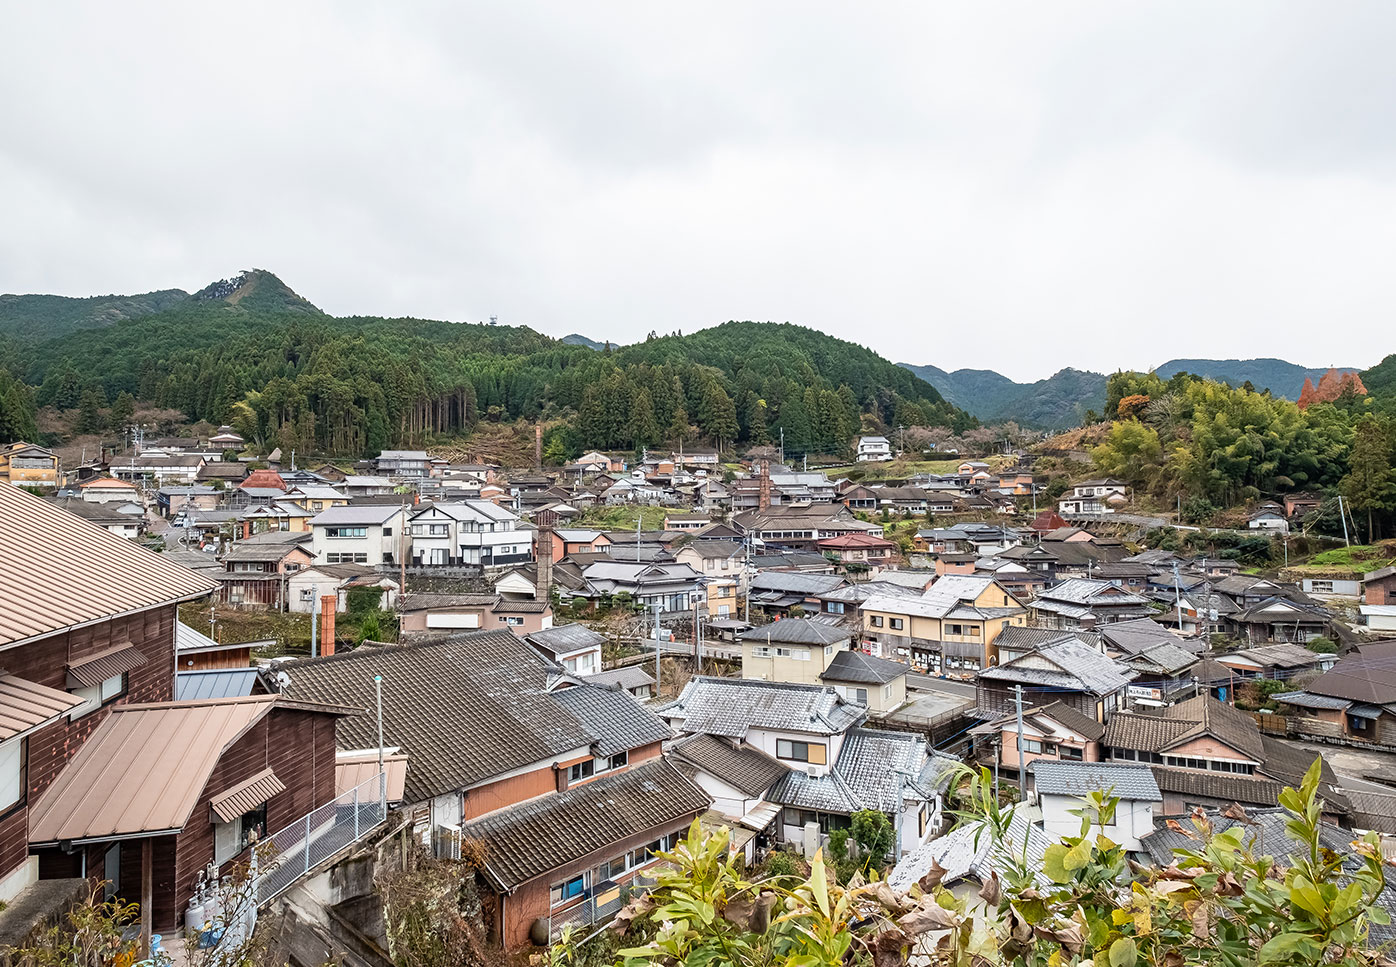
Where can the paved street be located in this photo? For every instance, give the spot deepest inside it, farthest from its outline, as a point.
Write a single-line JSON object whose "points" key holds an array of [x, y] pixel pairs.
{"points": [[929, 683]]}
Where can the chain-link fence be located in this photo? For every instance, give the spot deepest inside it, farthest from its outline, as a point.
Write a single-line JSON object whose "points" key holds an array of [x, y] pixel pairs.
{"points": [[320, 834]]}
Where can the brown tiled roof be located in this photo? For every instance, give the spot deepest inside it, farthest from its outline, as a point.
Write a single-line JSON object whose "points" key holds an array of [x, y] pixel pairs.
{"points": [[1189, 719], [1078, 722], [108, 663], [742, 766], [1212, 785], [536, 837], [246, 796], [59, 571]]}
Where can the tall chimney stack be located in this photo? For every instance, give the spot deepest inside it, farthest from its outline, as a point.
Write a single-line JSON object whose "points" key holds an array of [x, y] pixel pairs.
{"points": [[327, 608], [763, 496], [544, 557], [538, 447]]}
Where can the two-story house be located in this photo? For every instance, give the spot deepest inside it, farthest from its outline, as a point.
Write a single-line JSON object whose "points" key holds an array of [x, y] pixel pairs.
{"points": [[371, 534], [722, 564], [563, 785], [1095, 497], [403, 463], [470, 533], [28, 465], [950, 629], [426, 613], [874, 449], [834, 767], [255, 570], [1087, 603], [797, 650], [1067, 670], [90, 728]]}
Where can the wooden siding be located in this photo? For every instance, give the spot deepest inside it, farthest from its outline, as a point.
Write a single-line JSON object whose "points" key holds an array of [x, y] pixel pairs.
{"points": [[46, 662]]}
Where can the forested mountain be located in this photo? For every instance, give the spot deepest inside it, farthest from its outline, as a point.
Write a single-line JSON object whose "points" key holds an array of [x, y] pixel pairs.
{"points": [[51, 316], [351, 386], [1064, 399], [1281, 378], [34, 318], [1059, 401], [577, 339]]}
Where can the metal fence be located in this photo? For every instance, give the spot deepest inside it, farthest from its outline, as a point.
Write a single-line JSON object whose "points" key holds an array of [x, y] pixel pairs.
{"points": [[296, 850], [598, 906]]}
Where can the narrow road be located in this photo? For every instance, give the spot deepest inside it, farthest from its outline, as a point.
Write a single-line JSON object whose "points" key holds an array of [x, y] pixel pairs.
{"points": [[929, 683]]}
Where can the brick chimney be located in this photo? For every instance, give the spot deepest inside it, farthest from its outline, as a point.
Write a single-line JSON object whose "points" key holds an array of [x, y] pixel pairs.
{"points": [[544, 557], [538, 447], [327, 609], [763, 495]]}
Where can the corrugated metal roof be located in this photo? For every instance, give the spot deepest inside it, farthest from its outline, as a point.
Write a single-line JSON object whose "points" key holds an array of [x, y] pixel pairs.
{"points": [[26, 706], [197, 686], [353, 769], [60, 571], [108, 663], [142, 770], [246, 796]]}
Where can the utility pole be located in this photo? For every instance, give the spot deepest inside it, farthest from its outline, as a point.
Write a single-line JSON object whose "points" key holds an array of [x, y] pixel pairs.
{"points": [[314, 618], [1343, 517], [1177, 596], [782, 445], [212, 615], [1022, 775], [746, 577], [657, 679], [382, 776]]}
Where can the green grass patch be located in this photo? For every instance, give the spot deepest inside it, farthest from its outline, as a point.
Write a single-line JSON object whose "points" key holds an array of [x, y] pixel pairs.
{"points": [[1358, 557], [624, 517]]}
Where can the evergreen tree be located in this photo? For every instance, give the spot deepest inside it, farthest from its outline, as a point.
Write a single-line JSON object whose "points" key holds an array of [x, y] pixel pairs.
{"points": [[1370, 484], [89, 410]]}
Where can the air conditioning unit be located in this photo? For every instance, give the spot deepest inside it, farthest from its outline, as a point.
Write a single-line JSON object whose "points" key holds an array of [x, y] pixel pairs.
{"points": [[813, 772], [446, 842]]}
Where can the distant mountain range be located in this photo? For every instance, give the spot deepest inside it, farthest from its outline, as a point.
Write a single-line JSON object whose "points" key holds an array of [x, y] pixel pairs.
{"points": [[41, 317], [1063, 399]]}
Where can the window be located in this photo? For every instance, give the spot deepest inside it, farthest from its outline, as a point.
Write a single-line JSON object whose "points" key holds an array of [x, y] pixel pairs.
{"points": [[833, 607], [896, 624], [581, 770], [357, 557], [307, 594], [860, 695], [887, 691], [618, 761], [1031, 745], [346, 532], [1321, 587], [387, 532], [12, 769], [1070, 752], [877, 621], [513, 621], [798, 751], [230, 839], [111, 871], [568, 890], [98, 695]]}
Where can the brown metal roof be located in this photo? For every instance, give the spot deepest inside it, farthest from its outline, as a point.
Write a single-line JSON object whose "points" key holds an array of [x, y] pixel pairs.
{"points": [[353, 769], [108, 663], [246, 796], [59, 571], [142, 770], [26, 706]]}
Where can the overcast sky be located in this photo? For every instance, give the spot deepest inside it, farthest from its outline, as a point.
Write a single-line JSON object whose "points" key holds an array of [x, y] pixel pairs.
{"points": [[1019, 187]]}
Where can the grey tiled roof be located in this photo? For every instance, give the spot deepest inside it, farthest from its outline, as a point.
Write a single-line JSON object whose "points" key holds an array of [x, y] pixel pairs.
{"points": [[630, 676], [1219, 787], [1170, 658], [536, 837], [1067, 664], [465, 708], [859, 668], [875, 770], [731, 707], [615, 720], [796, 582], [1127, 781], [1265, 835], [796, 631], [1189, 719], [1142, 634], [743, 767], [1020, 637], [561, 639], [969, 851]]}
